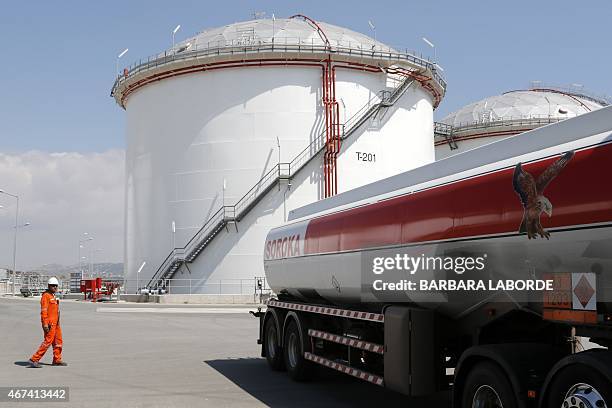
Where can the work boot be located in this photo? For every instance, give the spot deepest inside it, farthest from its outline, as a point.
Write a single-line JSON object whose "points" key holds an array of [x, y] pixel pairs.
{"points": [[34, 364], [60, 363]]}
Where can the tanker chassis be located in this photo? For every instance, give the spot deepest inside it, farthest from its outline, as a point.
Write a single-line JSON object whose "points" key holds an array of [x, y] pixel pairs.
{"points": [[493, 347]]}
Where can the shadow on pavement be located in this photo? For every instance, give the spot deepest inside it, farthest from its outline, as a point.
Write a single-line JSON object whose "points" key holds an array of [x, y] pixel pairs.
{"points": [[27, 363], [329, 388]]}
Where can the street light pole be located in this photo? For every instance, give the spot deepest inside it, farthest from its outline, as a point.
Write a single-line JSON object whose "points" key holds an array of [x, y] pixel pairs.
{"points": [[273, 23], [432, 46], [373, 28], [178, 27], [224, 187], [173, 235], [83, 260], [81, 241], [138, 275], [93, 264], [117, 61], [15, 244], [14, 237]]}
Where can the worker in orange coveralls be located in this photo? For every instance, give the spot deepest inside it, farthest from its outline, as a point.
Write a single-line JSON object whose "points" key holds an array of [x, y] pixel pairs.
{"points": [[50, 319]]}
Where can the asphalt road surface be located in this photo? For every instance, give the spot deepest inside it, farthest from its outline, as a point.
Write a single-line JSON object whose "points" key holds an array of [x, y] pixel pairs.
{"points": [[160, 356]]}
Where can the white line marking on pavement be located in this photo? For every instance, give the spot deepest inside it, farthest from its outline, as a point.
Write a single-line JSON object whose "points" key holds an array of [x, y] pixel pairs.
{"points": [[205, 310]]}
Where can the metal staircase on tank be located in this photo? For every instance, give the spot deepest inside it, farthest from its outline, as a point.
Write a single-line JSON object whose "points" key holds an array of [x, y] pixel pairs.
{"points": [[445, 131], [232, 214]]}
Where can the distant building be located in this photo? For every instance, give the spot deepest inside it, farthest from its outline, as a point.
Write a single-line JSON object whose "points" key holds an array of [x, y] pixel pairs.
{"points": [[75, 282]]}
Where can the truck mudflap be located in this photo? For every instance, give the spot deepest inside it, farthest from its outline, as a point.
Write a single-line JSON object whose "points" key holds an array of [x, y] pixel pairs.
{"points": [[410, 359], [259, 315]]}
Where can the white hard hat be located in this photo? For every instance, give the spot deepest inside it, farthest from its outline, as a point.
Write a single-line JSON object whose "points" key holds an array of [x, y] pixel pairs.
{"points": [[53, 281]]}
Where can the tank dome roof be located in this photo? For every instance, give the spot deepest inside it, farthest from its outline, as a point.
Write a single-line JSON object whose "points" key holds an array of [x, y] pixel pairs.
{"points": [[284, 31], [529, 104], [296, 41]]}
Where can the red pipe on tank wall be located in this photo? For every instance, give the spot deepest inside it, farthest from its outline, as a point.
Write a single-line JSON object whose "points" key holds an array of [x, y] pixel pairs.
{"points": [[329, 130], [325, 157], [333, 181], [338, 135], [329, 99]]}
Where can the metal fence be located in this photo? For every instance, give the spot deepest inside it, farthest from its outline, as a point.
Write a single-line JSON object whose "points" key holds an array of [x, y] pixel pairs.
{"points": [[575, 90], [443, 129], [181, 52], [251, 286], [35, 283]]}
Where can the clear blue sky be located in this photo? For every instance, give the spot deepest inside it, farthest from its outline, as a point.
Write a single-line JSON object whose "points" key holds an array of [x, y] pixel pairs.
{"points": [[58, 58]]}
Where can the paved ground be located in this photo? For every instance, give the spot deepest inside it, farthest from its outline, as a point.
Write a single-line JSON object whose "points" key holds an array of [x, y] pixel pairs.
{"points": [[165, 358]]}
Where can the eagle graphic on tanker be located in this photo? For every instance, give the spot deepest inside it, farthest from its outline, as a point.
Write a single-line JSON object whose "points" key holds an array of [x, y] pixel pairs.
{"points": [[531, 193]]}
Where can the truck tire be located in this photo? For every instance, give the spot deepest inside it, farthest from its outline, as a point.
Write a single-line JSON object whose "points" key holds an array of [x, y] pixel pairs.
{"points": [[486, 386], [298, 368], [274, 353], [578, 385]]}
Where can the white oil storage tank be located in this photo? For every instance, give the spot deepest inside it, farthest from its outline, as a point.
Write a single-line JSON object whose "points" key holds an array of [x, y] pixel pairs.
{"points": [[232, 127], [501, 116]]}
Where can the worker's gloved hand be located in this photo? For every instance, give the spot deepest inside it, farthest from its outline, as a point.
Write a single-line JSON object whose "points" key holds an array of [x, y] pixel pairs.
{"points": [[46, 328]]}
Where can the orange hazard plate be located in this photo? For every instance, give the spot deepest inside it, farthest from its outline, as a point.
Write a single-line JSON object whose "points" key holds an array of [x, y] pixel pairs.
{"points": [[561, 296], [575, 316]]}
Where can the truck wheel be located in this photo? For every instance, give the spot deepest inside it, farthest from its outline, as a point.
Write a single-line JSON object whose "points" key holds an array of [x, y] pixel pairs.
{"points": [[274, 354], [581, 387], [486, 386], [298, 367]]}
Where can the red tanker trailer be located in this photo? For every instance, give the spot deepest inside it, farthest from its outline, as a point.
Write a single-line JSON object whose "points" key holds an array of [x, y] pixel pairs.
{"points": [[478, 272]]}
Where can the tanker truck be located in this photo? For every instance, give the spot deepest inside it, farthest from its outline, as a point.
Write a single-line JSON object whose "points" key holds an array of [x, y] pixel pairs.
{"points": [[484, 273]]}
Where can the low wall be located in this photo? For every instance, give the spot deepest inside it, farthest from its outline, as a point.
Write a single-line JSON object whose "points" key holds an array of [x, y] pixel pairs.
{"points": [[195, 299], [74, 296]]}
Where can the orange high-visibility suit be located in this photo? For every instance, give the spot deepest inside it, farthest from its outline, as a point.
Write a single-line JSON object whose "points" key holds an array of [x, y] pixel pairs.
{"points": [[49, 317]]}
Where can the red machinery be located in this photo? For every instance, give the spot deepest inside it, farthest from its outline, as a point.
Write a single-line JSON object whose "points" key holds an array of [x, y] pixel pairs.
{"points": [[110, 288], [93, 288]]}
